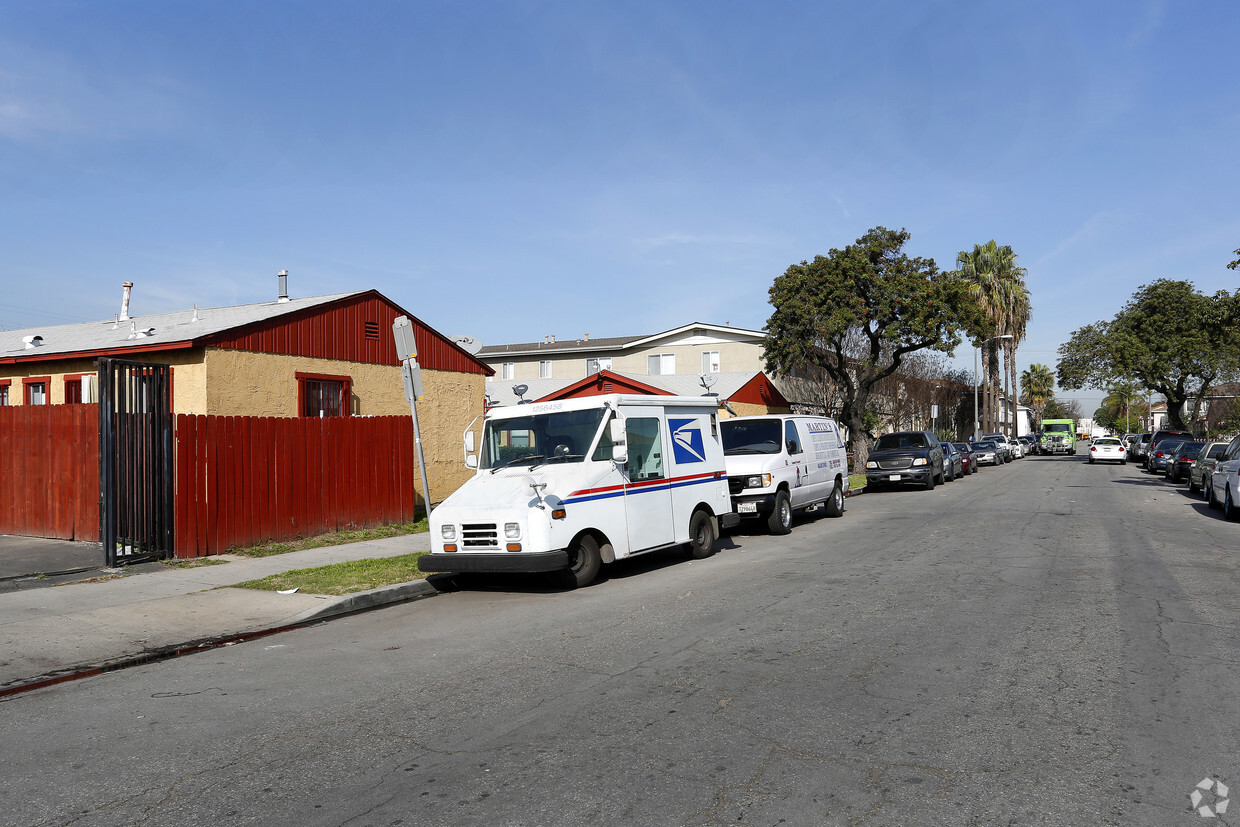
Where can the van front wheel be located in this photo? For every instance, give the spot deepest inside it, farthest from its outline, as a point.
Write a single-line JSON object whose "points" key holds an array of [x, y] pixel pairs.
{"points": [[780, 521], [585, 562], [701, 535]]}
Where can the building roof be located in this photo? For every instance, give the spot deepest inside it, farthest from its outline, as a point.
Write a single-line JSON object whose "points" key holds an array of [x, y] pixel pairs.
{"points": [[499, 392], [588, 345], [168, 329]]}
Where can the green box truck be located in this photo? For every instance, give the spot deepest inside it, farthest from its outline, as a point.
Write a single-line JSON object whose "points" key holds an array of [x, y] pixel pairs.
{"points": [[1058, 436]]}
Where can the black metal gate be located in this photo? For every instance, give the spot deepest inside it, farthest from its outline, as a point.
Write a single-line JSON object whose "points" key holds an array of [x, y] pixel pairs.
{"points": [[135, 461]]}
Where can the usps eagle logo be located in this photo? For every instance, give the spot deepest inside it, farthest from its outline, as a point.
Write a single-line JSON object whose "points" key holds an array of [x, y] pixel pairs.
{"points": [[687, 441]]}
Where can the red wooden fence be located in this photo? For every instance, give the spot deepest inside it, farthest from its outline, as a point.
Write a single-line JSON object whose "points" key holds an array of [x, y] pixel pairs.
{"points": [[244, 480], [49, 471]]}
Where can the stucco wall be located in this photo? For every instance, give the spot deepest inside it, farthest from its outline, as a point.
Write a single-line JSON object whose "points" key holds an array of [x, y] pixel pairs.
{"points": [[734, 357], [245, 383], [188, 386]]}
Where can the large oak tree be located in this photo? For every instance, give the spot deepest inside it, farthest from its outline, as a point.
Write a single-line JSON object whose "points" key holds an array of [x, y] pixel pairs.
{"points": [[1169, 338], [856, 313]]}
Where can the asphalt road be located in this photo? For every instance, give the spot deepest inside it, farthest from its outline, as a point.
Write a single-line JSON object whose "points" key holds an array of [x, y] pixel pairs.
{"points": [[1047, 642]]}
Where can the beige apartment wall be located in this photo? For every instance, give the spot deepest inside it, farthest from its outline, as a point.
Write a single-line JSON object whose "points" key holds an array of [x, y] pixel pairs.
{"points": [[734, 357], [750, 409], [188, 385]]}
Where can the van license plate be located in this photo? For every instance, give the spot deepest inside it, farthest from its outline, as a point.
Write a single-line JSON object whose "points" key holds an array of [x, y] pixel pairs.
{"points": [[748, 508], [894, 478]]}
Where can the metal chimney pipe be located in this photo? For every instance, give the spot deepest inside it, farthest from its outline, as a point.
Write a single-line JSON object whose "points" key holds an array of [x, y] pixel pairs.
{"points": [[128, 286], [283, 277]]}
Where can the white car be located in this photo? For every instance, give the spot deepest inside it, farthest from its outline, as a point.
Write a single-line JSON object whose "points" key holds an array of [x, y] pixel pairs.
{"points": [[1224, 483], [1106, 448]]}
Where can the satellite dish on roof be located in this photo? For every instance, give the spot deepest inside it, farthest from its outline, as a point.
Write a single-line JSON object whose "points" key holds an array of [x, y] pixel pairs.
{"points": [[520, 390], [469, 344], [708, 380]]}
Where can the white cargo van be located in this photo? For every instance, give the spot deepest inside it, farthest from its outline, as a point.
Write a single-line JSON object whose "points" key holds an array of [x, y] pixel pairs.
{"points": [[780, 463], [573, 484]]}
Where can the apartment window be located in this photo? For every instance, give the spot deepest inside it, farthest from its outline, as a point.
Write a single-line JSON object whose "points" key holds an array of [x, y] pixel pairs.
{"points": [[4, 391], [507, 370], [593, 366], [35, 390], [73, 388], [323, 395], [544, 369], [661, 364], [710, 361]]}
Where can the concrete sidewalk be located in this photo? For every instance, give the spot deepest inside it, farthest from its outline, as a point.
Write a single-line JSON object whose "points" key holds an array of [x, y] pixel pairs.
{"points": [[50, 634]]}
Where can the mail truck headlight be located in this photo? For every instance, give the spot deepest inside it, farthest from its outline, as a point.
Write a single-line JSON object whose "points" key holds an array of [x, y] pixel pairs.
{"points": [[447, 531], [512, 531]]}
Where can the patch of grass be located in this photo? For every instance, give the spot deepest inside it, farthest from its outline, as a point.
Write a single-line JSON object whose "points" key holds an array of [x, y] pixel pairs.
{"points": [[194, 563], [856, 482], [334, 538], [344, 578]]}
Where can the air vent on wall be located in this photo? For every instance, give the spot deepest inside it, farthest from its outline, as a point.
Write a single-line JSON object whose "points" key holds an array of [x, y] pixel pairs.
{"points": [[372, 330]]}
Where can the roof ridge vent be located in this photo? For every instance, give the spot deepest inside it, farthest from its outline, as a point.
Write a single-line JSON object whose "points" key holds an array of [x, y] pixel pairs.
{"points": [[32, 342], [196, 318]]}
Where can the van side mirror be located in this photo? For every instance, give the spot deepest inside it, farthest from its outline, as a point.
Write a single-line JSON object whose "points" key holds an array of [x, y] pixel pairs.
{"points": [[619, 447], [471, 461], [792, 446], [469, 442]]}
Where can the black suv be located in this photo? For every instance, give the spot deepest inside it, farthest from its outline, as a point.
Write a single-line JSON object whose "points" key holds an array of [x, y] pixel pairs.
{"points": [[905, 456], [1158, 437]]}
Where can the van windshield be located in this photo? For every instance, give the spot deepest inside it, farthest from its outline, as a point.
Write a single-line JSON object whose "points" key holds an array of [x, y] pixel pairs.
{"points": [[559, 436], [753, 436], [1057, 428]]}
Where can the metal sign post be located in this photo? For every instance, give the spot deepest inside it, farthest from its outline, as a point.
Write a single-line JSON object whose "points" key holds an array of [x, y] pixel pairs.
{"points": [[406, 351]]}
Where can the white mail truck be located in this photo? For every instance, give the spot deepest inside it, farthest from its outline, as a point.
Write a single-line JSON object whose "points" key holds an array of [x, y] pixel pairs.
{"points": [[781, 463], [570, 485]]}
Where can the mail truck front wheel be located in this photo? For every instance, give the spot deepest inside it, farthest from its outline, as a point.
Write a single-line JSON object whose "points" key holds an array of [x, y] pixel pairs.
{"points": [[584, 561], [701, 535]]}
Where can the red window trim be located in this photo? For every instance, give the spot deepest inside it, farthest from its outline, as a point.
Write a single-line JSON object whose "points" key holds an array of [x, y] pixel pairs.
{"points": [[46, 381], [6, 383], [346, 381], [73, 377]]}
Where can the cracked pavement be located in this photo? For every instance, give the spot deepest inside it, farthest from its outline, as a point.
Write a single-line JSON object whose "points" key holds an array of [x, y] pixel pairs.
{"points": [[1045, 642]]}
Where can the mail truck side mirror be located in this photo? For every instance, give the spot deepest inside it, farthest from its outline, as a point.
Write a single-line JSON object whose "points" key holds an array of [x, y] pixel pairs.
{"points": [[619, 447]]}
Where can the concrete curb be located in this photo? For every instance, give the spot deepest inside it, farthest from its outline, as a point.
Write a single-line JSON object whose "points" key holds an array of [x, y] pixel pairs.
{"points": [[333, 607]]}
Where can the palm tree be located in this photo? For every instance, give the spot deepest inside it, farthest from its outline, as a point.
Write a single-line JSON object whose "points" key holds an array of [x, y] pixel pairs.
{"points": [[1038, 383], [998, 284]]}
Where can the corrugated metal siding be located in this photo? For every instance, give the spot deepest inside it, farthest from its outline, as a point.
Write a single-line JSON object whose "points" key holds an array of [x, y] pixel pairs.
{"points": [[338, 331]]}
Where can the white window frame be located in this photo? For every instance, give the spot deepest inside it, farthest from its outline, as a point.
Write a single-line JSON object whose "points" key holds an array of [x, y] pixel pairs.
{"points": [[544, 368], [507, 369], [597, 363], [710, 361], [663, 364]]}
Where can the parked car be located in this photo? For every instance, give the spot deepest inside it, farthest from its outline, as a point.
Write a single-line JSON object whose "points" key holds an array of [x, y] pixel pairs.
{"points": [[905, 456], [1130, 441], [1030, 442], [1161, 435], [1140, 447], [1156, 460], [1001, 442], [967, 460], [1203, 466], [953, 462], [986, 452], [1106, 449], [1179, 461], [1224, 488]]}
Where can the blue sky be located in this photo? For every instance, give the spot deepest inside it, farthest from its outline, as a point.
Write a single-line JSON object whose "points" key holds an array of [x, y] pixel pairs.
{"points": [[516, 169]]}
